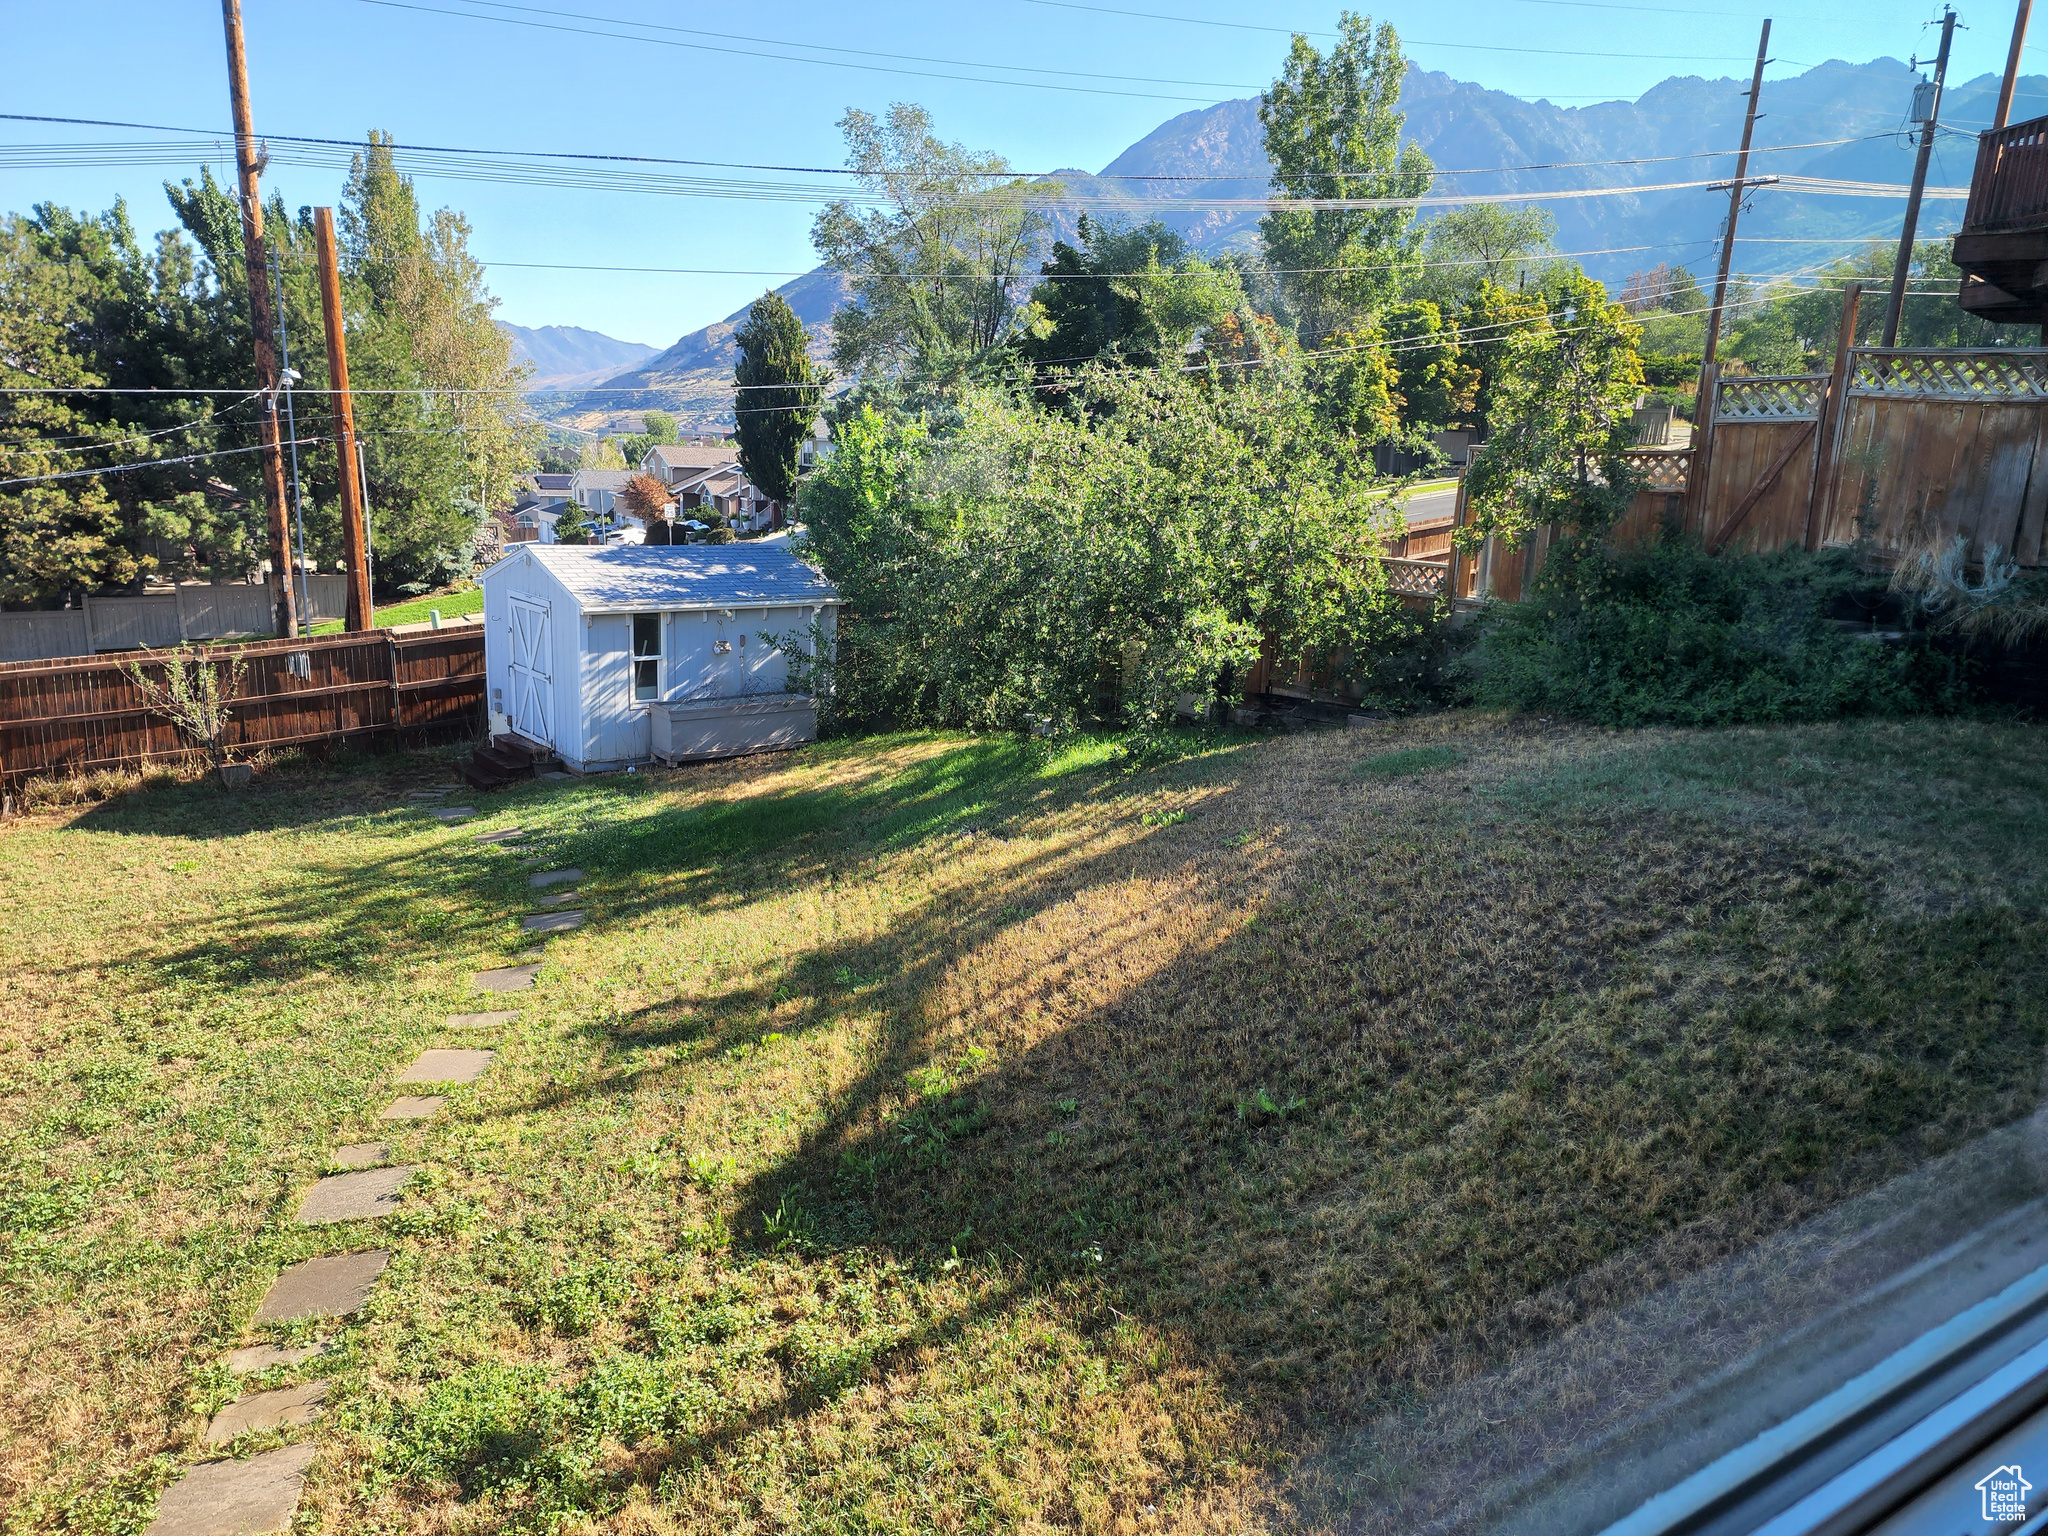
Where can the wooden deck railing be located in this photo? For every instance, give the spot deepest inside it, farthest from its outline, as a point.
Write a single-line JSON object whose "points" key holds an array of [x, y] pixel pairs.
{"points": [[2009, 190]]}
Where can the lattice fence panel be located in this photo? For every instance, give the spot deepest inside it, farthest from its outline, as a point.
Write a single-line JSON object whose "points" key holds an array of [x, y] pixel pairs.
{"points": [[1416, 578], [1787, 397], [1665, 469], [1978, 374]]}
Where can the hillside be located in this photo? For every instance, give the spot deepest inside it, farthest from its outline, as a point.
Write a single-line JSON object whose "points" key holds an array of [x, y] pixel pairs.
{"points": [[1837, 120], [569, 357], [693, 378]]}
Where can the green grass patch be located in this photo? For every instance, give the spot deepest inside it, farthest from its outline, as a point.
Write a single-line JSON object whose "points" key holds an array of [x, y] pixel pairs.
{"points": [[451, 605], [936, 1132], [1407, 761]]}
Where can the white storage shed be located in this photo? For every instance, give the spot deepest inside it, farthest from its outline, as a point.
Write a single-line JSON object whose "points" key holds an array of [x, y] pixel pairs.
{"points": [[615, 654]]}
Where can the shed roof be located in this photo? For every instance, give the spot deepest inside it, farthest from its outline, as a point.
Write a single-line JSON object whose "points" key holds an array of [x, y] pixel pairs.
{"points": [[615, 578]]}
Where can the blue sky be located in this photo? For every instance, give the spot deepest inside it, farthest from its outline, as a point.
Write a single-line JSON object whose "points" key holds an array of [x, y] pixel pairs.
{"points": [[445, 72]]}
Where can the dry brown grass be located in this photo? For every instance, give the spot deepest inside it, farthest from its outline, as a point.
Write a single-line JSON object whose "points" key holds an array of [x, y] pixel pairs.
{"points": [[921, 1139]]}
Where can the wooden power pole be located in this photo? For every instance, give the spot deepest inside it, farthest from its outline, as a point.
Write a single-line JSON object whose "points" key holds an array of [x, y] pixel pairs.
{"points": [[355, 542], [1896, 305], [262, 325], [2012, 67], [1735, 195]]}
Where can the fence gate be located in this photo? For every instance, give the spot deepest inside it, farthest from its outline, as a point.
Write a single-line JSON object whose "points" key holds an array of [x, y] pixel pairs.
{"points": [[1759, 472], [531, 683]]}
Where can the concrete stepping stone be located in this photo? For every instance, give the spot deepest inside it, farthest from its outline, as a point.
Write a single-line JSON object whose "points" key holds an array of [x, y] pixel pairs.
{"points": [[556, 776], [285, 1408], [507, 978], [548, 877], [447, 1067], [452, 812], [425, 794], [505, 836], [559, 897], [359, 1154], [551, 922], [364, 1196], [255, 1497], [251, 1358], [326, 1287], [482, 1020], [420, 1106]]}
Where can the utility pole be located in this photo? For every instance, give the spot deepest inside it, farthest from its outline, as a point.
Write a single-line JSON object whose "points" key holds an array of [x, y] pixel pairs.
{"points": [[1736, 190], [262, 323], [355, 542], [291, 427], [1897, 303], [2012, 67]]}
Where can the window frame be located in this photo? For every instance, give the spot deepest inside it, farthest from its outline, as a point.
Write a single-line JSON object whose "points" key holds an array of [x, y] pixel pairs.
{"points": [[636, 658]]}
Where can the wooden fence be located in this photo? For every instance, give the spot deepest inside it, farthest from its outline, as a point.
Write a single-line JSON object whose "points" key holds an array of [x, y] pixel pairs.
{"points": [[1898, 450], [59, 717], [191, 610]]}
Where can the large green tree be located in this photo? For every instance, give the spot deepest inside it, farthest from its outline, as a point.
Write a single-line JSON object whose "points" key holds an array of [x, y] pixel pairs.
{"points": [[777, 395], [933, 265], [1333, 135], [1136, 294], [83, 304], [1561, 419]]}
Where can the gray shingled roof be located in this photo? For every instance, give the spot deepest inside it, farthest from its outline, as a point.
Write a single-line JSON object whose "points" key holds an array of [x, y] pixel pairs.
{"points": [[607, 479], [609, 578]]}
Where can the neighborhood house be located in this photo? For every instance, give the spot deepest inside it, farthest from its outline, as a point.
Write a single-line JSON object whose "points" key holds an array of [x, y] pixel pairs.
{"points": [[614, 655]]}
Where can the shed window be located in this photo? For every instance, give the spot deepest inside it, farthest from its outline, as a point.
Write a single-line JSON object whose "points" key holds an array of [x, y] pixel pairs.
{"points": [[646, 656]]}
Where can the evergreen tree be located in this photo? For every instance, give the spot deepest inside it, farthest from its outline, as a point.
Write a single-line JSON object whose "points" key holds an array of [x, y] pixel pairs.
{"points": [[777, 397]]}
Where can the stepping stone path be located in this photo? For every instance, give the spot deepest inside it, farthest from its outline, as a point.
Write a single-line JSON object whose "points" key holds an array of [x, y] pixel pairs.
{"points": [[251, 1358], [259, 1494], [414, 1107], [507, 978], [236, 1498], [447, 1067], [330, 1287], [353, 1196], [281, 1409], [481, 1020]]}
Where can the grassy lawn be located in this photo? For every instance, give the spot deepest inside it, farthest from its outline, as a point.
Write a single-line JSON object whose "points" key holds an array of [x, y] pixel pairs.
{"points": [[451, 604], [925, 1134]]}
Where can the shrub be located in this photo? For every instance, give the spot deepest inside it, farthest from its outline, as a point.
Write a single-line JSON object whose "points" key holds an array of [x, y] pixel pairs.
{"points": [[1674, 635]]}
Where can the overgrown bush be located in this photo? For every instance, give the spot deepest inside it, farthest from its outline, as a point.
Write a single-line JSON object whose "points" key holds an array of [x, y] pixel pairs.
{"points": [[1015, 568], [1676, 636]]}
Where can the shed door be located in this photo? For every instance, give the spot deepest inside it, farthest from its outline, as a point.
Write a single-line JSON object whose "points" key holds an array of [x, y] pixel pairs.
{"points": [[530, 704]]}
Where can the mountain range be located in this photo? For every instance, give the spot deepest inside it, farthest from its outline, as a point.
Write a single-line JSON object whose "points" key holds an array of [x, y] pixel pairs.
{"points": [[569, 357], [1839, 121]]}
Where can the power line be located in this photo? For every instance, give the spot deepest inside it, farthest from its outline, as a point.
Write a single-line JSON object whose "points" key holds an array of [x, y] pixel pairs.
{"points": [[870, 53], [94, 153], [1245, 26], [781, 58]]}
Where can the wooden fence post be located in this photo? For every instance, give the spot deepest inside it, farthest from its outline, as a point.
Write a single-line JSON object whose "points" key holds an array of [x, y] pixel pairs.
{"points": [[1820, 497]]}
